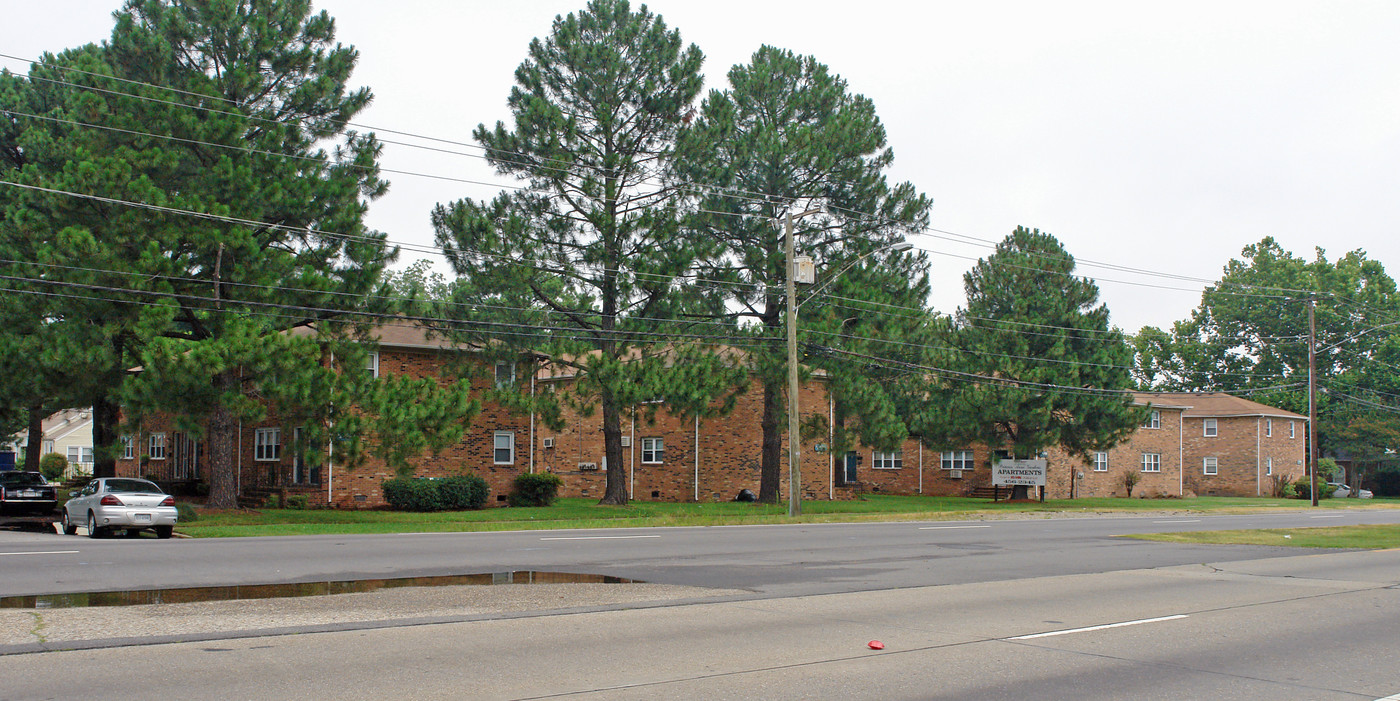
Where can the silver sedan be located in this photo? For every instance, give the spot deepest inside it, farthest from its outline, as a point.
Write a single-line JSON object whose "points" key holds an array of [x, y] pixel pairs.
{"points": [[109, 504]]}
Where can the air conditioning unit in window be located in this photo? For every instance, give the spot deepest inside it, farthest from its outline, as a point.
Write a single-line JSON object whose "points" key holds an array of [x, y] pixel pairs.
{"points": [[549, 442], [955, 474], [587, 466], [627, 441]]}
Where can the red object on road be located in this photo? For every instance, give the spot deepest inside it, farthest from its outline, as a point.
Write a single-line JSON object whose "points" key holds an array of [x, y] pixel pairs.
{"points": [[876, 645]]}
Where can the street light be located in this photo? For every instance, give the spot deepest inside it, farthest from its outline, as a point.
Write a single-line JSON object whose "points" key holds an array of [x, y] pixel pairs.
{"points": [[794, 460]]}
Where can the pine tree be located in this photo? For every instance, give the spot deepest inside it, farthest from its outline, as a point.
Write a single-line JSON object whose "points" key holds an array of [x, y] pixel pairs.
{"points": [[787, 134], [582, 263], [236, 110], [1047, 368]]}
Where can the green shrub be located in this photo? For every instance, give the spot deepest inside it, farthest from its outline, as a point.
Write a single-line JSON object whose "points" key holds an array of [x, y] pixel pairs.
{"points": [[52, 466], [273, 502], [462, 493], [538, 489], [186, 512], [1302, 487], [297, 501], [1386, 483], [446, 494]]}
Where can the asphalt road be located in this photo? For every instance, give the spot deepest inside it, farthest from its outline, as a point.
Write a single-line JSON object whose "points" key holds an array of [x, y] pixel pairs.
{"points": [[767, 560], [974, 610]]}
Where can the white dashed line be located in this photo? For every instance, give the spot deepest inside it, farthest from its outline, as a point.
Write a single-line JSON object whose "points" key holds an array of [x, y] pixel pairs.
{"points": [[945, 528], [604, 537], [1102, 627], [44, 552]]}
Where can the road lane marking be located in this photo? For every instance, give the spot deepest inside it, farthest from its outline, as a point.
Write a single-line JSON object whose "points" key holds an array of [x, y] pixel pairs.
{"points": [[44, 552], [1392, 697], [604, 537], [1194, 520], [1329, 516], [1102, 627], [945, 528]]}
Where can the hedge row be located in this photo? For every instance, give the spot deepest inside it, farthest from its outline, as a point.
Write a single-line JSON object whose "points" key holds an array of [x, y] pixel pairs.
{"points": [[445, 494]]}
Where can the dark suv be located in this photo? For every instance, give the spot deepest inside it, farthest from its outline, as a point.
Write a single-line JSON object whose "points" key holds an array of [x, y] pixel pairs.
{"points": [[26, 493]]}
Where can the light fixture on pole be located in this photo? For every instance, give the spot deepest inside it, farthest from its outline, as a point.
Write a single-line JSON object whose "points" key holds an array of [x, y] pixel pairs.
{"points": [[794, 444]]}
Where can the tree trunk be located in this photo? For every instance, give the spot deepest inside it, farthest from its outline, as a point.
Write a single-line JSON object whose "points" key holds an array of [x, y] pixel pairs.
{"points": [[35, 450], [770, 467], [223, 448], [615, 493], [106, 420]]}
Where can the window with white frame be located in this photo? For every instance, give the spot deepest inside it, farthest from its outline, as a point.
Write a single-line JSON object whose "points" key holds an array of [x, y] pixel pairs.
{"points": [[505, 373], [267, 444], [504, 452], [1151, 462], [1100, 462], [1268, 466], [652, 451], [155, 446], [1268, 428], [1290, 430], [1154, 420], [79, 454], [48, 447], [372, 364], [886, 460], [128, 448], [1210, 427], [957, 460], [1211, 466]]}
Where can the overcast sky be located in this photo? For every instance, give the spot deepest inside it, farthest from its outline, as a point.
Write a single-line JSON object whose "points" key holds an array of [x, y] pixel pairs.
{"points": [[1162, 139]]}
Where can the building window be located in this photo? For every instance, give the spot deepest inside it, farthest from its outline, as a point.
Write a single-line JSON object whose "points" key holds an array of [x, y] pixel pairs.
{"points": [[652, 451], [1151, 462], [1211, 466], [128, 448], [1268, 428], [267, 445], [1100, 462], [881, 460], [79, 454], [155, 446], [1154, 420], [1268, 466], [505, 374], [47, 447], [372, 364], [1211, 429], [1290, 430], [505, 448], [957, 460]]}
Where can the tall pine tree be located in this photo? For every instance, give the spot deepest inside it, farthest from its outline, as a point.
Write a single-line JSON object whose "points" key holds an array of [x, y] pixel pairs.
{"points": [[787, 134], [582, 262]]}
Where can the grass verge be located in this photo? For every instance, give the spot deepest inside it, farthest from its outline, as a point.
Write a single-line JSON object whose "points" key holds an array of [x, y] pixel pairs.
{"points": [[586, 513], [1361, 537]]}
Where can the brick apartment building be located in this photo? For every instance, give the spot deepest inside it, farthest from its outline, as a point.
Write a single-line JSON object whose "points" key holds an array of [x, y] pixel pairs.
{"points": [[1191, 444]]}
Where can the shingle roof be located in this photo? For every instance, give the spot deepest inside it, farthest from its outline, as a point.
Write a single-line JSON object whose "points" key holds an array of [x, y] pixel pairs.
{"points": [[1215, 404]]}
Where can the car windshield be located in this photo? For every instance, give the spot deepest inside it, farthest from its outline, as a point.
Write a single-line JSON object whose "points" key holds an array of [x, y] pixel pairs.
{"points": [[23, 479], [129, 485]]}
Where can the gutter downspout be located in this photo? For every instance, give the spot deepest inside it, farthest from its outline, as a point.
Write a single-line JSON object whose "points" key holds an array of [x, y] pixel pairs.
{"points": [[1181, 453], [830, 438], [921, 468], [632, 459], [532, 420], [330, 453], [697, 458], [1258, 450]]}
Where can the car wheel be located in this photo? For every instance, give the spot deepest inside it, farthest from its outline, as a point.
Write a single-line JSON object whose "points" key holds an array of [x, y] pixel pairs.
{"points": [[93, 530], [69, 528], [164, 531]]}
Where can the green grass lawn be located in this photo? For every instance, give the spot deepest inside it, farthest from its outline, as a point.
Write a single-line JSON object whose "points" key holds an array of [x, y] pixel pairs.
{"points": [[1368, 537], [586, 513]]}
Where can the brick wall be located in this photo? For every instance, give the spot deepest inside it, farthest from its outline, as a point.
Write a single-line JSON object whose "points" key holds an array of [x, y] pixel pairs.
{"points": [[1242, 449]]}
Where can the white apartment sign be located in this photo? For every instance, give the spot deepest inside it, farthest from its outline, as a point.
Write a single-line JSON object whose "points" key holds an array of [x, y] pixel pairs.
{"points": [[1030, 473]]}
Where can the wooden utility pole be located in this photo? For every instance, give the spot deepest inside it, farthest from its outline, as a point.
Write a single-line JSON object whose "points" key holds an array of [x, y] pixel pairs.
{"points": [[1312, 397]]}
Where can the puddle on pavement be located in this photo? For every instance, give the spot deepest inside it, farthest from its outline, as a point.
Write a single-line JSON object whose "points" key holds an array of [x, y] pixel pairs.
{"points": [[273, 591]]}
